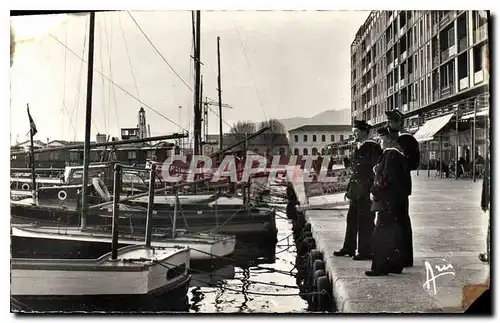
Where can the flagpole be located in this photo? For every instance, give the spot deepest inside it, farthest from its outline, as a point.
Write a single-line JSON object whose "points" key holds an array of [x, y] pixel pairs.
{"points": [[32, 157]]}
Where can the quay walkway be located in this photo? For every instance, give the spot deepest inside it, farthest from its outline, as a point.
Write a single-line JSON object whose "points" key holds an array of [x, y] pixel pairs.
{"points": [[449, 227]]}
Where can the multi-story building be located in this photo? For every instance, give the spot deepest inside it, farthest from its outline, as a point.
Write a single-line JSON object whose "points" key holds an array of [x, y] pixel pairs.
{"points": [[428, 64], [311, 139], [266, 143]]}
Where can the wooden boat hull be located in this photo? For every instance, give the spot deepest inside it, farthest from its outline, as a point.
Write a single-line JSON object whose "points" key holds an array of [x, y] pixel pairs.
{"points": [[141, 279], [257, 222], [160, 301], [67, 243]]}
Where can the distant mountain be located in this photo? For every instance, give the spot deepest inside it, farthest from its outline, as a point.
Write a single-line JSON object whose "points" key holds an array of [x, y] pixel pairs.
{"points": [[336, 117]]}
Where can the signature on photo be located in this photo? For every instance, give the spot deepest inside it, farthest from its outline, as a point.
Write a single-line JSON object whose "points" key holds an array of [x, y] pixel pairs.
{"points": [[431, 277]]}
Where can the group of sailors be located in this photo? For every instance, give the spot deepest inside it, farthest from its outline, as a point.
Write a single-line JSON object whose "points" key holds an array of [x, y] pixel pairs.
{"points": [[378, 221]]}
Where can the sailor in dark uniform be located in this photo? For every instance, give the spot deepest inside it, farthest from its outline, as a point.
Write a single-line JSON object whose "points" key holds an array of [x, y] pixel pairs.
{"points": [[360, 218], [390, 188], [410, 148]]}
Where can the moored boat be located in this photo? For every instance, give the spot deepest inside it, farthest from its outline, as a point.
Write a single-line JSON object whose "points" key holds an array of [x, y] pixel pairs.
{"points": [[139, 278], [33, 241]]}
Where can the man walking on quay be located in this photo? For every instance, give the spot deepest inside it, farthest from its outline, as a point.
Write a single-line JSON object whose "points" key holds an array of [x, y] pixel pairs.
{"points": [[360, 218], [410, 148]]}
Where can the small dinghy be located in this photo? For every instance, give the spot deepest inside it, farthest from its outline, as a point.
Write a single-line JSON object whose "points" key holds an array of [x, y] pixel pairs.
{"points": [[136, 279]]}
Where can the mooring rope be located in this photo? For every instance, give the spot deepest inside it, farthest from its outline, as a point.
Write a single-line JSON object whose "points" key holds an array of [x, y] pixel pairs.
{"points": [[164, 264]]}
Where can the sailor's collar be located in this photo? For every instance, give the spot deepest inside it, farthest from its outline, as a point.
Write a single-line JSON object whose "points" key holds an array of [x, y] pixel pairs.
{"points": [[396, 149], [367, 140]]}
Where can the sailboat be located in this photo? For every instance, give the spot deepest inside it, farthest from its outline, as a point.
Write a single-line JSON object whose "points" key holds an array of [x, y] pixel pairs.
{"points": [[138, 278], [209, 246]]}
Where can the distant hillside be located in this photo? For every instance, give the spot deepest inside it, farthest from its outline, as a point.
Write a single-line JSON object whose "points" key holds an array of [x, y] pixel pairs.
{"points": [[337, 117]]}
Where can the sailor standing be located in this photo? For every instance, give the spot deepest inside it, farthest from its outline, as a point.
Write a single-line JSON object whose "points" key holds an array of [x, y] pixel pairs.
{"points": [[360, 218], [410, 148], [389, 191]]}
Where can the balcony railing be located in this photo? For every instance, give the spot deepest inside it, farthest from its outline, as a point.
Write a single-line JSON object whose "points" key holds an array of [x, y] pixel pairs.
{"points": [[402, 83], [481, 33], [478, 77], [391, 65], [403, 56], [448, 53], [464, 83], [447, 90], [390, 91], [390, 43], [462, 44]]}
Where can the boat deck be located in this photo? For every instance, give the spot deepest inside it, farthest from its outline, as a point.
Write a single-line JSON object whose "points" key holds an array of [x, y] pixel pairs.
{"points": [[142, 257]]}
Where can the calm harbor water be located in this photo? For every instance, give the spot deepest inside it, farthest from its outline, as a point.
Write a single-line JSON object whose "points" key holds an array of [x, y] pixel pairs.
{"points": [[248, 287]]}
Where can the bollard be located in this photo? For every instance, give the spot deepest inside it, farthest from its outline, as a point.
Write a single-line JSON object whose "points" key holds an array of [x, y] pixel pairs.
{"points": [[151, 198], [116, 211]]}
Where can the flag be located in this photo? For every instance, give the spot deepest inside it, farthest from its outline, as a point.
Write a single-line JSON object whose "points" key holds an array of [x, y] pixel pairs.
{"points": [[32, 124]]}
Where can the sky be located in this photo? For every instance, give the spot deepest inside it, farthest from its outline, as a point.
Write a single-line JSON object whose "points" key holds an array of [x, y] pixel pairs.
{"points": [[274, 64]]}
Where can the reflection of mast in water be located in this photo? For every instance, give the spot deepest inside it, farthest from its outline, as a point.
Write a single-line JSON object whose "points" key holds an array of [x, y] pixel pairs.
{"points": [[244, 289]]}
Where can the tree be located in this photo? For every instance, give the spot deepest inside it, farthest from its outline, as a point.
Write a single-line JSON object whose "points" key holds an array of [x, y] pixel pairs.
{"points": [[276, 130], [242, 128], [275, 126]]}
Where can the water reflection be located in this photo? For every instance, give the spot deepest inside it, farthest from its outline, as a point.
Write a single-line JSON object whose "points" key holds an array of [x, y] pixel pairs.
{"points": [[249, 283]]}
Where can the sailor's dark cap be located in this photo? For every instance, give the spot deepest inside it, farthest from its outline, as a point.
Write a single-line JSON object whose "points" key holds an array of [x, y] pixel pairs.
{"points": [[383, 131], [361, 124], [394, 115]]}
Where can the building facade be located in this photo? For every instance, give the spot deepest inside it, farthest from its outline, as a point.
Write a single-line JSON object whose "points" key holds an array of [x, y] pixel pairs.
{"points": [[313, 139], [266, 143], [428, 64]]}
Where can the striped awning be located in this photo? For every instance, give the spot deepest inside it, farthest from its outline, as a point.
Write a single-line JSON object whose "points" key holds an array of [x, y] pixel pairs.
{"points": [[431, 127]]}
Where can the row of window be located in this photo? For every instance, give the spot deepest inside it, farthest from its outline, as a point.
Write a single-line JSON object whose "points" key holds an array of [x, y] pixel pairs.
{"points": [[315, 138], [415, 38], [305, 151], [419, 92]]}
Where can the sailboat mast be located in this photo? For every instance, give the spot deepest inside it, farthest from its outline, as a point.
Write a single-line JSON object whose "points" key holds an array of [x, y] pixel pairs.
{"points": [[88, 120], [197, 110], [221, 134], [202, 120]]}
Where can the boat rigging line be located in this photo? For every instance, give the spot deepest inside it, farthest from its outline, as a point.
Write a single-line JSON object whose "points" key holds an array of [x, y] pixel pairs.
{"points": [[250, 70], [158, 52], [109, 41], [128, 56], [101, 38], [117, 85], [79, 86], [168, 64]]}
